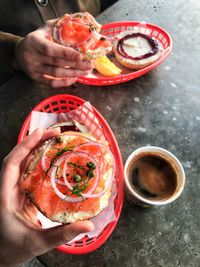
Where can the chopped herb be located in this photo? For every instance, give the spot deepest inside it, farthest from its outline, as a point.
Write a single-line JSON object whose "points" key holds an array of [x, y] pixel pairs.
{"points": [[63, 150], [78, 166], [60, 152], [84, 186], [102, 38], [76, 190]]}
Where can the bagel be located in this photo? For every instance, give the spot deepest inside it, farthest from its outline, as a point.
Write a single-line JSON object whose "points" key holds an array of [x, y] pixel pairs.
{"points": [[135, 50], [69, 177], [81, 32]]}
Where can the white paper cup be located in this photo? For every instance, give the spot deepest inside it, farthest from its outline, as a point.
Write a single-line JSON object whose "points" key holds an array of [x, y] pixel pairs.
{"points": [[172, 161]]}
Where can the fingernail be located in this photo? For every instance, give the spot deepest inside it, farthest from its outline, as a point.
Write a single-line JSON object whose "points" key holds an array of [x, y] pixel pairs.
{"points": [[78, 57], [90, 226]]}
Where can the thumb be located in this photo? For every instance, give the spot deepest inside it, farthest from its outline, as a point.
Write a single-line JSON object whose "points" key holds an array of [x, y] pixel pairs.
{"points": [[56, 236]]}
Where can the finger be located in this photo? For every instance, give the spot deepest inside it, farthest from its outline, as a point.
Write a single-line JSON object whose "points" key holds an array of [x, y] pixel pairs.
{"points": [[50, 133], [47, 134], [61, 72], [50, 23], [53, 237], [12, 163], [52, 81], [21, 151], [10, 172], [30, 211], [51, 49], [58, 62]]}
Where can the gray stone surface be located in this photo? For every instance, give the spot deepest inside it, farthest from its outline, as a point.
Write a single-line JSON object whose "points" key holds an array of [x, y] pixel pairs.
{"points": [[32, 263], [161, 108]]}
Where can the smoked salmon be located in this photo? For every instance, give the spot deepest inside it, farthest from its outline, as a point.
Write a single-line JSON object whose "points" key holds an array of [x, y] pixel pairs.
{"points": [[81, 31]]}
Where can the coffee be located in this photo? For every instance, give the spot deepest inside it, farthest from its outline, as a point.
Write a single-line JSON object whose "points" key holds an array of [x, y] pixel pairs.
{"points": [[153, 177]]}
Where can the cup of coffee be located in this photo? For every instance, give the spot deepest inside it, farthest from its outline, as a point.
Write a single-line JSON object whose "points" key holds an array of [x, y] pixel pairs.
{"points": [[153, 176]]}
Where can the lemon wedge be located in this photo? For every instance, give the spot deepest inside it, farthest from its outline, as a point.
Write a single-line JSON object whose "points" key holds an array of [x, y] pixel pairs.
{"points": [[106, 67]]}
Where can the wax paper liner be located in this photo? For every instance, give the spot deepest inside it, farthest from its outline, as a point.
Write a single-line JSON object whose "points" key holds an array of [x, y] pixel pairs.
{"points": [[85, 115]]}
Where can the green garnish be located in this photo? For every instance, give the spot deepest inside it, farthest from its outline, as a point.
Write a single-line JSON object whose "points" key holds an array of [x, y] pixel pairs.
{"points": [[60, 152], [76, 190], [91, 165], [76, 165], [85, 185]]}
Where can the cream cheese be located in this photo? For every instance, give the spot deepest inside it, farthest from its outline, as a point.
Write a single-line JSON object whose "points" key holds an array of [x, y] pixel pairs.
{"points": [[136, 46]]}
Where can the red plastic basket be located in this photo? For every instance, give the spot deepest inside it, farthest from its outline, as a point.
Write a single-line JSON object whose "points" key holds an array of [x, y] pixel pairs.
{"points": [[65, 103], [114, 28]]}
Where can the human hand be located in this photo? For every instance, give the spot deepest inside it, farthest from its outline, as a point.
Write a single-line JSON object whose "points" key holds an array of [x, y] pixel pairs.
{"points": [[21, 237], [48, 62]]}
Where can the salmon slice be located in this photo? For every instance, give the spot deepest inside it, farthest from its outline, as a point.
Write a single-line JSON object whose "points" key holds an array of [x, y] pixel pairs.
{"points": [[81, 31]]}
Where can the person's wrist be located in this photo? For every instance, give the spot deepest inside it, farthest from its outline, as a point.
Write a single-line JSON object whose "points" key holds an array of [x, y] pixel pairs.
{"points": [[15, 63]]}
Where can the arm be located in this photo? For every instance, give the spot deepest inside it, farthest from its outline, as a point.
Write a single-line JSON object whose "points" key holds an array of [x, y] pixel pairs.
{"points": [[7, 48], [41, 59]]}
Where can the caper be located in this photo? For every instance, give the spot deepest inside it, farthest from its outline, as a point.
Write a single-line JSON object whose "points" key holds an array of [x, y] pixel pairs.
{"points": [[77, 178]]}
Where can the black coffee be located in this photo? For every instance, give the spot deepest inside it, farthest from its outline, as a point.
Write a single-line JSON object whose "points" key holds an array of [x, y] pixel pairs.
{"points": [[153, 177]]}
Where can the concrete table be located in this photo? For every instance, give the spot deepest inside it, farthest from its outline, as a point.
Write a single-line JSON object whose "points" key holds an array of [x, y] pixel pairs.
{"points": [[161, 108]]}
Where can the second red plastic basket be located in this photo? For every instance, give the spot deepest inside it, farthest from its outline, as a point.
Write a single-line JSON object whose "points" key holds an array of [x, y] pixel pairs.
{"points": [[114, 28]]}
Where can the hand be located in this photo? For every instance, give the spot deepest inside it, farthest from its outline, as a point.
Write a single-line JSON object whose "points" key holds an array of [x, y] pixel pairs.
{"points": [[48, 62], [21, 237]]}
